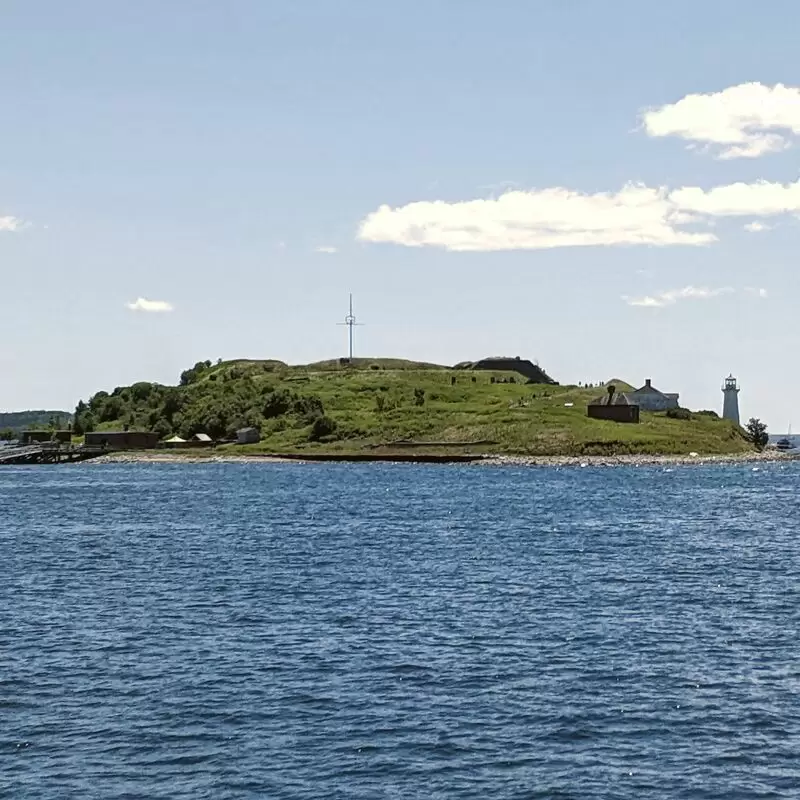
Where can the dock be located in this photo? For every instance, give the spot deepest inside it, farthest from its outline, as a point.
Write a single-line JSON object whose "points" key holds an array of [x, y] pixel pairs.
{"points": [[49, 453]]}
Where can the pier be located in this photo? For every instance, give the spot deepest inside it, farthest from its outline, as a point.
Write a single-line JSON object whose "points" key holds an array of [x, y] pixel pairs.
{"points": [[49, 453]]}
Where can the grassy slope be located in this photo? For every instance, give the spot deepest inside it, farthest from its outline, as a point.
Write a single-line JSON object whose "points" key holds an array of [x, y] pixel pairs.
{"points": [[515, 417]]}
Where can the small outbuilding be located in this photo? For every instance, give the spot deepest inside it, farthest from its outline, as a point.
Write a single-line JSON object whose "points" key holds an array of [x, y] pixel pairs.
{"points": [[202, 438], [248, 436], [614, 406]]}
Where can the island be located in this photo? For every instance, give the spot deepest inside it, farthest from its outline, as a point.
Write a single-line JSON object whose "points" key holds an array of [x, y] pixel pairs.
{"points": [[363, 409]]}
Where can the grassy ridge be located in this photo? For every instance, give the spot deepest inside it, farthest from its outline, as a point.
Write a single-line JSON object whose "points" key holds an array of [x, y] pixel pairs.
{"points": [[385, 405]]}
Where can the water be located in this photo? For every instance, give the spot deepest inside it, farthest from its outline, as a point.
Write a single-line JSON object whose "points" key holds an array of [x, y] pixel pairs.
{"points": [[289, 631]]}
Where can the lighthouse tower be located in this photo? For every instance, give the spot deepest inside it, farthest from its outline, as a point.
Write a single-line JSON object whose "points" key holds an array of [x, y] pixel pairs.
{"points": [[730, 391]]}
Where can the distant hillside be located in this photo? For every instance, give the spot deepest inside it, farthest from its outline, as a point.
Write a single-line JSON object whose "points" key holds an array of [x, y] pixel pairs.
{"points": [[22, 420], [376, 405]]}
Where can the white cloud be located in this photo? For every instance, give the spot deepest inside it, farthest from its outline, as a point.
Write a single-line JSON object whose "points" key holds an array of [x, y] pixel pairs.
{"points": [[744, 121], [759, 199], [151, 306], [763, 294], [534, 220], [326, 249], [10, 224], [558, 217], [672, 296]]}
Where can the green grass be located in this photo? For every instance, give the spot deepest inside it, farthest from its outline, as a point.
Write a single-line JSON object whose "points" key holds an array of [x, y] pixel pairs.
{"points": [[373, 404]]}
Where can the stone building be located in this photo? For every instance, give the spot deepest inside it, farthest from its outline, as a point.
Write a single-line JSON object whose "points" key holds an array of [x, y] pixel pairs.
{"points": [[648, 398], [615, 406], [248, 436]]}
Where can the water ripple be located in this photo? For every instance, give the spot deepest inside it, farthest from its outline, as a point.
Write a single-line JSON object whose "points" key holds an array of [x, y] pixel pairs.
{"points": [[290, 631]]}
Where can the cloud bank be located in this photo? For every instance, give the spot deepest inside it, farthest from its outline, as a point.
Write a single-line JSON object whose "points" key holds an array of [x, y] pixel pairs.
{"points": [[744, 121], [326, 249], [150, 306], [672, 296], [10, 224]]}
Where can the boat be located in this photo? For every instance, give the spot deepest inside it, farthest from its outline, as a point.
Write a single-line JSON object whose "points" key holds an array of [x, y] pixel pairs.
{"points": [[785, 443]]}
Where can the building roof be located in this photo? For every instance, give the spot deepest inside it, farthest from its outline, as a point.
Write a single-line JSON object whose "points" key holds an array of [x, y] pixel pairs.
{"points": [[613, 398], [648, 388], [202, 437], [176, 440]]}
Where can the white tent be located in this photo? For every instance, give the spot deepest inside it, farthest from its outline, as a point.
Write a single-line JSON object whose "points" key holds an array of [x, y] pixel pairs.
{"points": [[175, 440]]}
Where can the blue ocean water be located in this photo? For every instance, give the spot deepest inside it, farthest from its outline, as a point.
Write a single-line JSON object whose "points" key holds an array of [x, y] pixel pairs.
{"points": [[398, 631]]}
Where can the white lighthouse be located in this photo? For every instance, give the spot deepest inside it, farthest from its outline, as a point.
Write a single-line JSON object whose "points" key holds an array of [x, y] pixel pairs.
{"points": [[730, 407]]}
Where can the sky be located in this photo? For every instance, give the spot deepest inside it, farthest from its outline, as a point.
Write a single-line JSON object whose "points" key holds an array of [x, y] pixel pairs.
{"points": [[610, 189]]}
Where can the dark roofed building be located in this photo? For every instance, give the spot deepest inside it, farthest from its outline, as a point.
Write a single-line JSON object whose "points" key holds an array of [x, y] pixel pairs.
{"points": [[614, 406]]}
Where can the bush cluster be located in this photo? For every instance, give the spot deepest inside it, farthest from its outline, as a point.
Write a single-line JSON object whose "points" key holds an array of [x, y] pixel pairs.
{"points": [[225, 402]]}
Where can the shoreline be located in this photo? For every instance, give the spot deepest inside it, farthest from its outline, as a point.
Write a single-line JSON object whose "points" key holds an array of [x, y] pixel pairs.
{"points": [[490, 460]]}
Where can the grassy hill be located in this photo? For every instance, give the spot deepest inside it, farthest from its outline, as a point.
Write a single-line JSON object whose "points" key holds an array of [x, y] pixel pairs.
{"points": [[382, 405], [23, 420]]}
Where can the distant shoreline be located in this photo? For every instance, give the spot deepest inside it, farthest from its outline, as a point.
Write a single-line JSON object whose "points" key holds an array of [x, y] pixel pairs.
{"points": [[130, 457]]}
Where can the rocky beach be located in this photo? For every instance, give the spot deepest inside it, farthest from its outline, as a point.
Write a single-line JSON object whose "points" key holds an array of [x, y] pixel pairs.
{"points": [[767, 456]]}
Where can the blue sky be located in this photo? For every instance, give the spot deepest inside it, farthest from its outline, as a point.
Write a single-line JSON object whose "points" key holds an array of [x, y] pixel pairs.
{"points": [[464, 165]]}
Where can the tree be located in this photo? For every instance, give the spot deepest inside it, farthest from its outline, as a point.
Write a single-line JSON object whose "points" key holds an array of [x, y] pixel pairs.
{"points": [[7, 435], [757, 433]]}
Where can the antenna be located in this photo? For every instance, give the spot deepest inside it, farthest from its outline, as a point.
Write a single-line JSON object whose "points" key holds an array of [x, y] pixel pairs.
{"points": [[350, 322]]}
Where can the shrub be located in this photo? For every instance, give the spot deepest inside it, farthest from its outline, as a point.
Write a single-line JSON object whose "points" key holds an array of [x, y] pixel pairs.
{"points": [[323, 427], [309, 407], [679, 413], [191, 375], [277, 403], [419, 397]]}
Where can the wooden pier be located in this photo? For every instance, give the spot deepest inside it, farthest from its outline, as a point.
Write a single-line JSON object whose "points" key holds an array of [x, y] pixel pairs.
{"points": [[49, 453]]}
